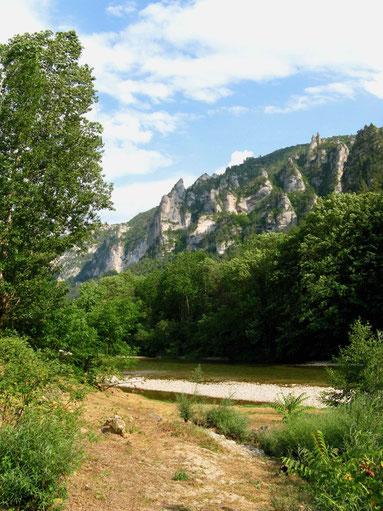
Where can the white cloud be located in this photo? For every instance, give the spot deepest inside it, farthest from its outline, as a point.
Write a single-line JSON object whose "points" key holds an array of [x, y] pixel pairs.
{"points": [[125, 158], [125, 130], [175, 48], [237, 157], [375, 86], [121, 9], [19, 16], [138, 197], [316, 96]]}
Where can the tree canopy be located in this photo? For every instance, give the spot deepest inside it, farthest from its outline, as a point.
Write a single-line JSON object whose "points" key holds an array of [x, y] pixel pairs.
{"points": [[50, 174]]}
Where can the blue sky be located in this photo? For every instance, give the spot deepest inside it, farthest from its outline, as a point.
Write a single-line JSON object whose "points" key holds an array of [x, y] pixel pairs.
{"points": [[192, 86]]}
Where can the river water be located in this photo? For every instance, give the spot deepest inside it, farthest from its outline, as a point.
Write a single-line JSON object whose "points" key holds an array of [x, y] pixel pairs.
{"points": [[214, 371]]}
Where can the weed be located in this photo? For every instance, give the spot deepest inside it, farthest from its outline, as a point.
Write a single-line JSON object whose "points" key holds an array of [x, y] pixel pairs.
{"points": [[228, 422], [93, 437], [197, 375], [185, 406], [181, 475], [289, 405]]}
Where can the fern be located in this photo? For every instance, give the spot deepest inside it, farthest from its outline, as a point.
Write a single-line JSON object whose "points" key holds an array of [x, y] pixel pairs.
{"points": [[289, 405]]}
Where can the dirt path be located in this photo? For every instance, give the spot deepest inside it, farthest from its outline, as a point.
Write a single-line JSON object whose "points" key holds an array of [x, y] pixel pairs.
{"points": [[136, 473]]}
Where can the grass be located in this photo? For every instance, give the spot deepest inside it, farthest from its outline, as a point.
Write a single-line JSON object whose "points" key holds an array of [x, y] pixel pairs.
{"points": [[297, 432], [192, 432], [225, 419], [35, 457], [181, 475]]}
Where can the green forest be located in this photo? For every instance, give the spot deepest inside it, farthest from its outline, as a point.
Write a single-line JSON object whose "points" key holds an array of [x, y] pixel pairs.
{"points": [[286, 296], [279, 297]]}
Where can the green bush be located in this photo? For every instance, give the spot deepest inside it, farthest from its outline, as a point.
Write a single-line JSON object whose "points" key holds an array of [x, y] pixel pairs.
{"points": [[23, 378], [289, 405], [185, 406], [228, 422], [297, 432], [197, 375], [35, 456], [38, 433], [359, 365], [349, 481], [338, 425]]}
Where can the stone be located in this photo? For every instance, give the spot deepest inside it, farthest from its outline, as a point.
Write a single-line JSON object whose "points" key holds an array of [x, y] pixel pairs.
{"points": [[116, 425], [291, 178]]}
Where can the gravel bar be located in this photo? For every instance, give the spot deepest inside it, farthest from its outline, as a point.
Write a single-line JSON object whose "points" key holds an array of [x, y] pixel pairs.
{"points": [[255, 392]]}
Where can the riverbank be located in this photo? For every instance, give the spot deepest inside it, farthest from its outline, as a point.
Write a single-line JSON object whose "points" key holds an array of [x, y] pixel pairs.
{"points": [[165, 464], [241, 391]]}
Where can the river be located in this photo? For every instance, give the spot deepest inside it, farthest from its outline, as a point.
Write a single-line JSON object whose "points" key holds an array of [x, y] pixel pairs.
{"points": [[218, 371]]}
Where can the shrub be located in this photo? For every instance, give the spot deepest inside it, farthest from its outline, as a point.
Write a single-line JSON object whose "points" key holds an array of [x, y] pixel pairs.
{"points": [[290, 405], [228, 422], [38, 425], [34, 458], [359, 365], [197, 375], [345, 482], [338, 426], [23, 378], [297, 432], [185, 406]]}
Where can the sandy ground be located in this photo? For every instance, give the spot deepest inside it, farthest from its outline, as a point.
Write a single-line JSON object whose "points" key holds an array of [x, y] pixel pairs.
{"points": [[254, 392], [137, 473]]}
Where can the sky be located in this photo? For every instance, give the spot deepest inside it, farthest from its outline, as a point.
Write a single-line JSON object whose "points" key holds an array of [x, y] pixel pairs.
{"points": [[193, 86]]}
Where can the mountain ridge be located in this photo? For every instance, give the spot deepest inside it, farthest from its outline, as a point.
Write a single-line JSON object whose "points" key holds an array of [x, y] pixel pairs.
{"points": [[263, 194]]}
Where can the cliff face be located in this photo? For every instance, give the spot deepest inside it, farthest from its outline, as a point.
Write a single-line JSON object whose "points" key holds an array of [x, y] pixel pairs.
{"points": [[268, 193]]}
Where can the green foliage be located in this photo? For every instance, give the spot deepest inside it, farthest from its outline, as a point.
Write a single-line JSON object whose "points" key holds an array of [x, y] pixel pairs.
{"points": [[359, 365], [328, 273], [302, 202], [296, 433], [289, 405], [24, 378], [38, 427], [35, 457], [227, 421], [197, 375], [337, 424], [185, 405], [50, 174], [27, 381], [364, 167], [96, 330], [348, 481], [181, 475]]}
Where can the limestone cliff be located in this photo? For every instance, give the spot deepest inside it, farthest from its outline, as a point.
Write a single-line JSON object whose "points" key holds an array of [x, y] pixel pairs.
{"points": [[264, 194]]}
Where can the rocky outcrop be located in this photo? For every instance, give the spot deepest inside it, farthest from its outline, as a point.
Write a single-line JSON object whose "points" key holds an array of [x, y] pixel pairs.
{"points": [[208, 214], [205, 225], [338, 159], [291, 178], [282, 216]]}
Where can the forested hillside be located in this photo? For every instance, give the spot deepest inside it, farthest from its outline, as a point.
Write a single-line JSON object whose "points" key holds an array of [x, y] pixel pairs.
{"points": [[265, 194]]}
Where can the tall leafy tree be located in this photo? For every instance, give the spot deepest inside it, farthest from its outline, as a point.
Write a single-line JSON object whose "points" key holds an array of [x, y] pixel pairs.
{"points": [[50, 175], [340, 272]]}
